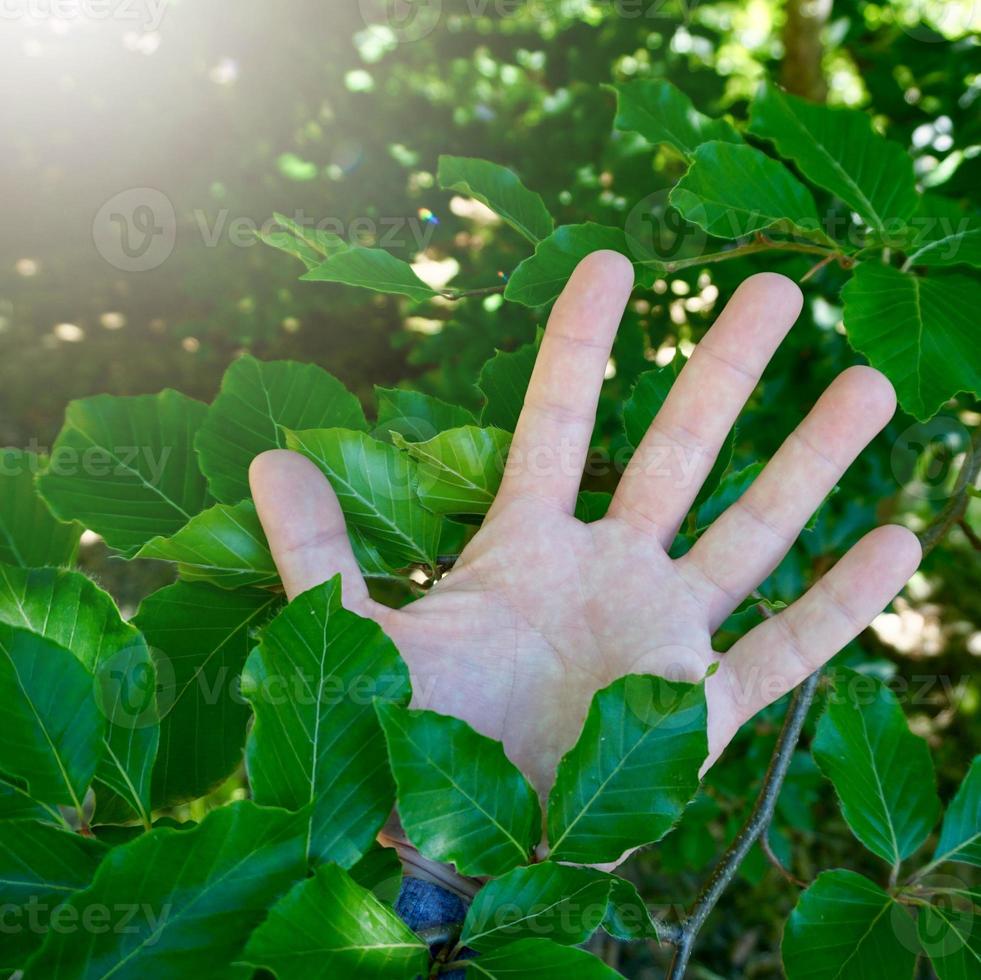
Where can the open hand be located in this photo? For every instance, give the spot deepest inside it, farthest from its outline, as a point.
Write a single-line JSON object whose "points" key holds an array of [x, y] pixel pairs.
{"points": [[542, 610]]}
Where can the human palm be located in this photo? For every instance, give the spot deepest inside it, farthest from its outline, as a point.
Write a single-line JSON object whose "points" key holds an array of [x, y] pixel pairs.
{"points": [[542, 610]]}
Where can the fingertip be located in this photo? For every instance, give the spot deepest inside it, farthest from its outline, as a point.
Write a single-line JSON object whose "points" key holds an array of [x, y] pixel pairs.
{"points": [[900, 548], [873, 389], [613, 268], [276, 468], [774, 290]]}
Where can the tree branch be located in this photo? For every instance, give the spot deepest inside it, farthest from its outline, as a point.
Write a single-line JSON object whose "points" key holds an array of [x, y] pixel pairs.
{"points": [[955, 510], [759, 244], [758, 820]]}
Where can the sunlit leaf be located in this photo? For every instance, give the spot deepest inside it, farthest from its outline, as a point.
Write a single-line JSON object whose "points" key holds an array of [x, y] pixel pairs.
{"points": [[372, 268]]}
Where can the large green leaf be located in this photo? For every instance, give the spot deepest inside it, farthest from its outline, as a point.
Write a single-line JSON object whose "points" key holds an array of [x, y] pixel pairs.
{"points": [[30, 535], [951, 938], [846, 928], [179, 902], [662, 113], [316, 739], [542, 276], [920, 332], [960, 833], [224, 545], [541, 959], [881, 771], [941, 234], [546, 900], [501, 191], [503, 382], [627, 916], [633, 770], [460, 798], [125, 467], [376, 486], [40, 866], [70, 610], [460, 470], [257, 400], [329, 927], [53, 728], [200, 637], [732, 190], [416, 416], [372, 268], [838, 149]]}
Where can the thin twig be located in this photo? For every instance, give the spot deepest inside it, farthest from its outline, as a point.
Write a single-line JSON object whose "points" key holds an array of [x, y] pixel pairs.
{"points": [[760, 244], [464, 293], [817, 267], [767, 848], [970, 534], [955, 510], [757, 821]]}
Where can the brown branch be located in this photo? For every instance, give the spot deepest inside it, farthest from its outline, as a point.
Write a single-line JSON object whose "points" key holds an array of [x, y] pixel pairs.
{"points": [[955, 510], [759, 244], [756, 823]]}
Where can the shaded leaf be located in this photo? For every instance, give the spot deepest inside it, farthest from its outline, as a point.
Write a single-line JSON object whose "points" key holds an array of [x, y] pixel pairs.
{"points": [[960, 833], [726, 494], [257, 400], [633, 770], [328, 926], [662, 113], [316, 739], [837, 149], [416, 416], [53, 728], [881, 771], [592, 505], [732, 190], [125, 467], [224, 545], [200, 637], [70, 610], [541, 959], [376, 486], [372, 268], [180, 902], [941, 234], [627, 916], [459, 470], [503, 382], [380, 871], [920, 332], [501, 191], [30, 535], [460, 798], [542, 276], [951, 937], [846, 928]]}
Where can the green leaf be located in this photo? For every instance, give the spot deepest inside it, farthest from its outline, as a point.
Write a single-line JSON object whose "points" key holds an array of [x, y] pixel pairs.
{"points": [[40, 866], [460, 798], [380, 871], [941, 234], [951, 938], [501, 191], [125, 467], [541, 959], [415, 416], [200, 637], [542, 276], [257, 400], [732, 190], [224, 545], [881, 771], [316, 739], [627, 916], [70, 610], [645, 401], [662, 113], [53, 728], [546, 900], [592, 505], [503, 382], [30, 535], [726, 494], [960, 833], [920, 332], [179, 902], [376, 485], [372, 268], [328, 926], [310, 245], [633, 770], [460, 470], [838, 149], [846, 928]]}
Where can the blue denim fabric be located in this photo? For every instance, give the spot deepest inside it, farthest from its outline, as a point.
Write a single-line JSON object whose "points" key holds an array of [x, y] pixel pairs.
{"points": [[423, 905]]}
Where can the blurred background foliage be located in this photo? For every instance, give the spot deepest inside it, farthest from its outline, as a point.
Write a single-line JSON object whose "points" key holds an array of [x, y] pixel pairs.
{"points": [[315, 110]]}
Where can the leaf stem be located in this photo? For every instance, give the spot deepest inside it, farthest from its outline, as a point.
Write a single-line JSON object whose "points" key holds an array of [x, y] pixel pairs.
{"points": [[464, 293], [759, 244], [955, 510], [756, 823]]}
